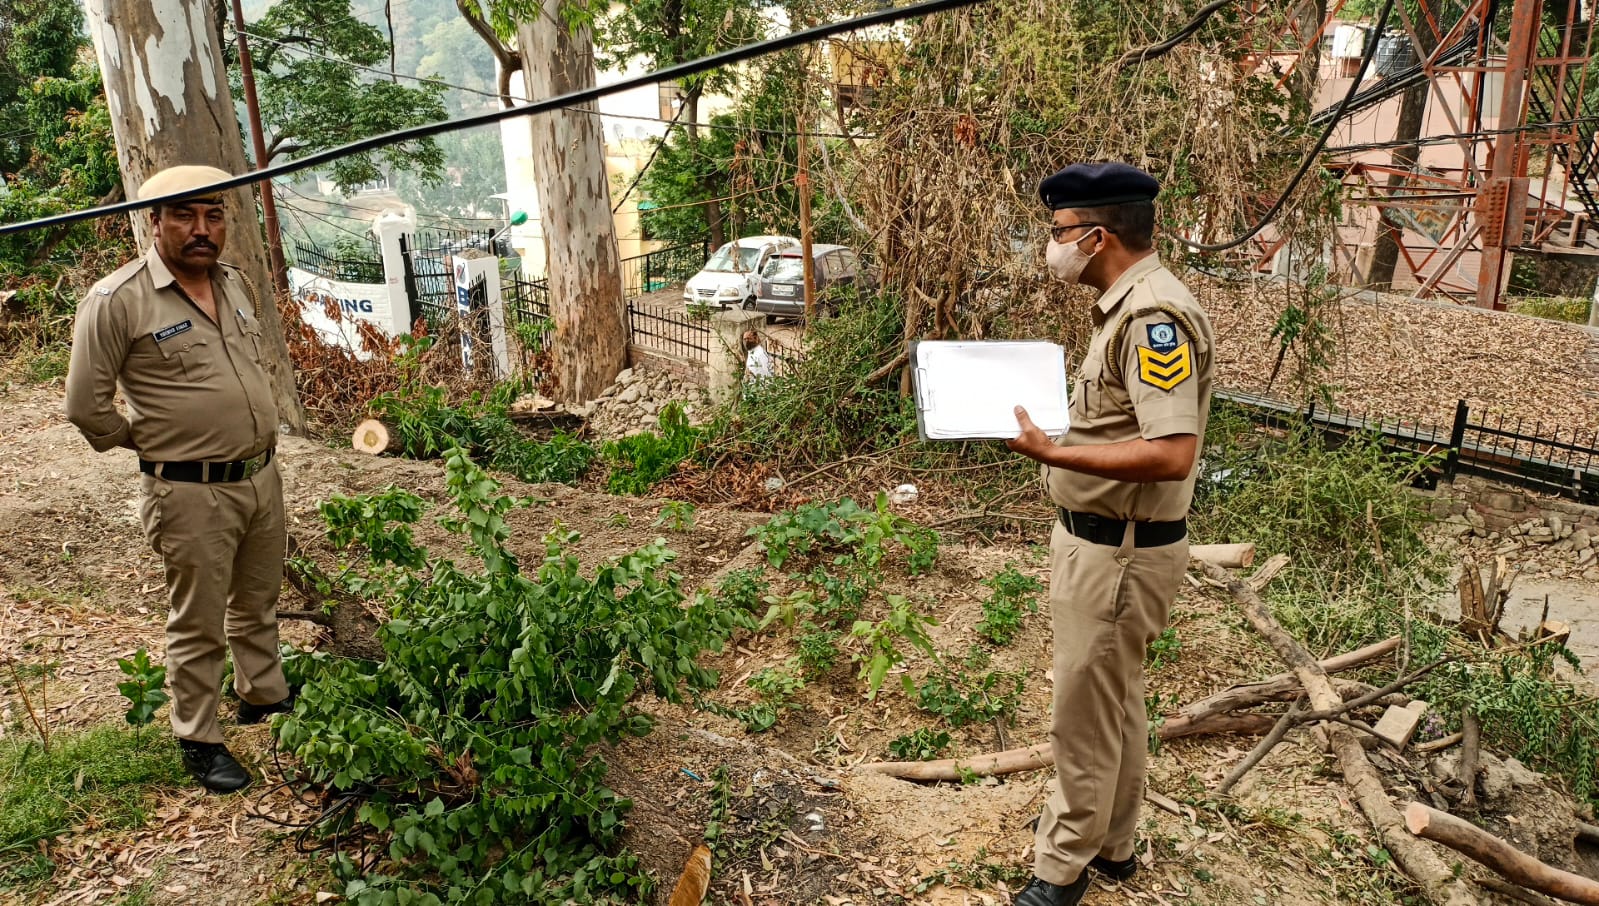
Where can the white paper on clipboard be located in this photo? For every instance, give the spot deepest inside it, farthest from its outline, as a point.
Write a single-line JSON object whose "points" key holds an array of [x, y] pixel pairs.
{"points": [[967, 390]]}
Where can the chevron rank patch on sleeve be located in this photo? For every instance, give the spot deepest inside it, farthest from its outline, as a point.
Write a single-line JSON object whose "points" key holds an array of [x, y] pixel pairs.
{"points": [[1165, 370]]}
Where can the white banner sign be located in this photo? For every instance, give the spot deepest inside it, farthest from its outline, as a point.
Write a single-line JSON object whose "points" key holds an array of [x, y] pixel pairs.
{"points": [[354, 303]]}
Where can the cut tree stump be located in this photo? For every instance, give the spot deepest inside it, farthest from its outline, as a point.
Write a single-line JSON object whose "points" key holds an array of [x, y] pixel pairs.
{"points": [[1232, 556], [374, 437], [1435, 878], [1510, 863]]}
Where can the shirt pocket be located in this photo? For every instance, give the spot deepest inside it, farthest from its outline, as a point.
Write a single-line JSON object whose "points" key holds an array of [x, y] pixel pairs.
{"points": [[194, 357], [1090, 387]]}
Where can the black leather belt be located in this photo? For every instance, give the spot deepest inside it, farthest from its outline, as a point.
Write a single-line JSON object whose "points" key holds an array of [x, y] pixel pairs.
{"points": [[1097, 529], [207, 472]]}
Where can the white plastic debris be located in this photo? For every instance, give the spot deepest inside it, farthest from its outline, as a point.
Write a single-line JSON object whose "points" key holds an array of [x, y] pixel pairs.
{"points": [[905, 493], [774, 484]]}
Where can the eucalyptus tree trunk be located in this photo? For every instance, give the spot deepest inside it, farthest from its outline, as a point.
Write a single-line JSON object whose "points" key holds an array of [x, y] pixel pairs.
{"points": [[584, 266], [167, 90]]}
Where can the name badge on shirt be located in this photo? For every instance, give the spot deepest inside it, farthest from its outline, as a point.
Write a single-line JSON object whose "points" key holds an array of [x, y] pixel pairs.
{"points": [[167, 333]]}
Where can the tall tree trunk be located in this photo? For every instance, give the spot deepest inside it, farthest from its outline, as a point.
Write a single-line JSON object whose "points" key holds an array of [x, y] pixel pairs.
{"points": [[585, 273], [1412, 113], [167, 89], [714, 220]]}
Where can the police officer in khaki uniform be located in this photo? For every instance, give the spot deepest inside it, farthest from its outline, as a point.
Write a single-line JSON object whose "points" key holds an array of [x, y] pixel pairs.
{"points": [[1122, 478], [177, 330]]}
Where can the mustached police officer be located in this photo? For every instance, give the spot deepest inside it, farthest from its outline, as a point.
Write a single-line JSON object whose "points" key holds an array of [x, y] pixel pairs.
{"points": [[1122, 478], [177, 330]]}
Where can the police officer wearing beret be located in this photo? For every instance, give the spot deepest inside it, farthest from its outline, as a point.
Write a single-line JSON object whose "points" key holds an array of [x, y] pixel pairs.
{"points": [[177, 330], [1122, 478]]}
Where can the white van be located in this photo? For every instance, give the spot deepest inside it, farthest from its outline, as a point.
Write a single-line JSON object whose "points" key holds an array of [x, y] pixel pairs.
{"points": [[733, 275]]}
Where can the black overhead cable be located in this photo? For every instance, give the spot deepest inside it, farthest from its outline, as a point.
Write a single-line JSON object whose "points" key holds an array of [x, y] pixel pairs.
{"points": [[667, 74], [1311, 158]]}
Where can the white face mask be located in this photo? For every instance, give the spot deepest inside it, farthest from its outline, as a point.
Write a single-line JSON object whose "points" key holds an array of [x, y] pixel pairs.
{"points": [[1066, 260]]}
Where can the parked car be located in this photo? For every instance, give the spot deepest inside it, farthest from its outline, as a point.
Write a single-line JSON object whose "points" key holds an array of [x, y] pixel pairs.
{"points": [[782, 288], [732, 276]]}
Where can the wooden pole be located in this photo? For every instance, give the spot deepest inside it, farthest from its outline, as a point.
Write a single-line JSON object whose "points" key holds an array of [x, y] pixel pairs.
{"points": [[803, 183], [1511, 863], [269, 204]]}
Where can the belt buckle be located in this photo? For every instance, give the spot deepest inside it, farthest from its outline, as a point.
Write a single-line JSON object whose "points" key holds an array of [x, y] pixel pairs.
{"points": [[251, 466]]}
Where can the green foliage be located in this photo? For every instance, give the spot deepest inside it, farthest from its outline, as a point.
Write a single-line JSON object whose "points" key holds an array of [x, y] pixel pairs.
{"points": [[741, 589], [924, 744], [108, 773], [1555, 308], [314, 96], [675, 516], [961, 699], [1012, 593], [882, 640], [848, 532], [1300, 496], [639, 462], [143, 687], [57, 154], [427, 425], [818, 650], [1164, 649], [474, 743]]}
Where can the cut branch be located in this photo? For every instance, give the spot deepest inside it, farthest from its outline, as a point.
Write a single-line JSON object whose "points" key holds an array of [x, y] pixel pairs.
{"points": [[1232, 556], [1510, 863], [1145, 54], [1435, 878]]}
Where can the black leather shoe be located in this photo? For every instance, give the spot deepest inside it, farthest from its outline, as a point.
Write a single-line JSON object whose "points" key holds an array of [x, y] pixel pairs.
{"points": [[213, 766], [1043, 893], [1116, 871], [254, 714]]}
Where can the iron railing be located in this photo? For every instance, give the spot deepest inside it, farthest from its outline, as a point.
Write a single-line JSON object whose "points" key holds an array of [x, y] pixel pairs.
{"points": [[1502, 448], [662, 268], [351, 262], [673, 332]]}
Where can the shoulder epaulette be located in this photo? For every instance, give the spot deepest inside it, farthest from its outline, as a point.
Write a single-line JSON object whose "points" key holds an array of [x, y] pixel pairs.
{"points": [[1121, 328], [249, 287], [116, 279]]}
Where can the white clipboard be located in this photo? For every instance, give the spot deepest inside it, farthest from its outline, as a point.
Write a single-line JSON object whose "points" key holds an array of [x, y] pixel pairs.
{"points": [[969, 390]]}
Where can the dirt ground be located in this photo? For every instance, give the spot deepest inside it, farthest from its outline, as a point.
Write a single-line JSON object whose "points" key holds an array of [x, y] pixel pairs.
{"points": [[80, 587]]}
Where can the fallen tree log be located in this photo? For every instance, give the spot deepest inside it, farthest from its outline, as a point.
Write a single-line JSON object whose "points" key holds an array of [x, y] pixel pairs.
{"points": [[1232, 556], [1464, 837], [1435, 878], [1036, 756], [1281, 687], [374, 437]]}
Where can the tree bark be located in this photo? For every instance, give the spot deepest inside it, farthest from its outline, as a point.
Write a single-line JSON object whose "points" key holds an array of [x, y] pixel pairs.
{"points": [[1231, 556], [1412, 113], [1511, 863], [167, 89], [585, 273]]}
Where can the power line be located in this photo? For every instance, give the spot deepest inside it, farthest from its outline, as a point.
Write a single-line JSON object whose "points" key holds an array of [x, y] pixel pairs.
{"points": [[1310, 159], [584, 96]]}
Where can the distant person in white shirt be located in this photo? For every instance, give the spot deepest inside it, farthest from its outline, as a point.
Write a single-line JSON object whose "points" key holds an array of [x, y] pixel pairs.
{"points": [[757, 361]]}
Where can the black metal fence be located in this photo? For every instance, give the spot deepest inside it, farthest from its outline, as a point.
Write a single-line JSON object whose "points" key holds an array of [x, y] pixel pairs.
{"points": [[349, 262], [1501, 448], [673, 332], [429, 276], [662, 268], [527, 314]]}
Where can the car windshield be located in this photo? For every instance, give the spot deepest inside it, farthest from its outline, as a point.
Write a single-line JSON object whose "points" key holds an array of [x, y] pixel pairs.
{"points": [[731, 258], [785, 269]]}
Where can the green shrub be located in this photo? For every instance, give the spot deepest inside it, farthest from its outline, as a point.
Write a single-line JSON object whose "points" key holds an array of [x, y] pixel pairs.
{"points": [[1013, 592], [639, 462], [1554, 308], [925, 744], [473, 746], [960, 699]]}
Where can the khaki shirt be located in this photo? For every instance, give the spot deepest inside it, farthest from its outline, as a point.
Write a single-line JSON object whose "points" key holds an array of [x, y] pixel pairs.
{"points": [[197, 390], [1154, 383]]}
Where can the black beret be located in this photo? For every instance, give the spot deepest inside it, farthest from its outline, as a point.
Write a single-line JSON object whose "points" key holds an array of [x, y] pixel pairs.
{"points": [[1097, 185]]}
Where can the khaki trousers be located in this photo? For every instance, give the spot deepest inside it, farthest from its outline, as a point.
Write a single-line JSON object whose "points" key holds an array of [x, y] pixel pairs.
{"points": [[223, 546], [1106, 605]]}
